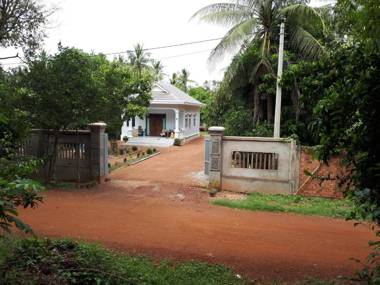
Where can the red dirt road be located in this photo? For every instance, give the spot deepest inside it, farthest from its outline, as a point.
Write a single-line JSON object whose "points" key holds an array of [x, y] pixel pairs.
{"points": [[175, 165], [168, 220]]}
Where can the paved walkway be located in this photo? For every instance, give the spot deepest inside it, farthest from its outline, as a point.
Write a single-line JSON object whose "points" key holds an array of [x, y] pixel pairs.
{"points": [[173, 220]]}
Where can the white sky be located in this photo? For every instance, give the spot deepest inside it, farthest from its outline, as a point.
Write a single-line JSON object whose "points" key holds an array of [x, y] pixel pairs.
{"points": [[117, 25]]}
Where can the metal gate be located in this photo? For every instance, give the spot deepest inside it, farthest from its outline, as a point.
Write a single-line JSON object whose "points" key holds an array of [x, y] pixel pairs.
{"points": [[207, 154]]}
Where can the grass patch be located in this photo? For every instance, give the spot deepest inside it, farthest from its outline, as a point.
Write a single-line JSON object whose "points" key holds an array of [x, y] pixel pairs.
{"points": [[63, 261], [336, 208]]}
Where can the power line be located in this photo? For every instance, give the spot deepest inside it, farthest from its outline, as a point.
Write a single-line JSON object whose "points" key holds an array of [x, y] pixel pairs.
{"points": [[145, 49], [166, 46], [185, 54]]}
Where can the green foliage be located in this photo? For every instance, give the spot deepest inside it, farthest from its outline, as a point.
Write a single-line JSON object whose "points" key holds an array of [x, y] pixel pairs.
{"points": [[177, 142], [238, 122], [370, 272], [72, 89], [250, 22], [68, 262], [358, 20], [181, 80], [291, 204], [22, 24], [134, 148], [204, 96], [149, 151], [345, 116], [16, 189]]}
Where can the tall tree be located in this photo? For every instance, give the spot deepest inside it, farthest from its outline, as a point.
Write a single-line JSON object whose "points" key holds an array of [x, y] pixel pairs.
{"points": [[183, 79], [23, 23], [174, 79], [139, 58], [256, 22], [157, 69]]}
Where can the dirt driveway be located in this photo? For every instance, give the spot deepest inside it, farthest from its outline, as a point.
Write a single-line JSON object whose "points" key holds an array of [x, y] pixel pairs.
{"points": [[170, 220], [180, 165]]}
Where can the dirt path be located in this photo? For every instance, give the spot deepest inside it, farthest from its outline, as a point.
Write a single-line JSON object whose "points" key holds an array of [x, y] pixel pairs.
{"points": [[168, 221], [180, 165], [147, 208]]}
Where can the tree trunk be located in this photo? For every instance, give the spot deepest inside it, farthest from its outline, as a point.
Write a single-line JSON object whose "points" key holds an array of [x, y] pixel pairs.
{"points": [[270, 109], [295, 99], [256, 106]]}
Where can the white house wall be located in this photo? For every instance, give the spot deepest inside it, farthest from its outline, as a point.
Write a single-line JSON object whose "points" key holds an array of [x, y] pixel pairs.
{"points": [[169, 110], [191, 129]]}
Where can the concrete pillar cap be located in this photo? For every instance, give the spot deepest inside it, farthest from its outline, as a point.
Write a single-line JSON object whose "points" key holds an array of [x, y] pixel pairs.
{"points": [[216, 129], [98, 124]]}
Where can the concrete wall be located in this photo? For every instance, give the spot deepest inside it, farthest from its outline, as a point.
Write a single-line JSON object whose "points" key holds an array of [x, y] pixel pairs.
{"points": [[283, 178]]}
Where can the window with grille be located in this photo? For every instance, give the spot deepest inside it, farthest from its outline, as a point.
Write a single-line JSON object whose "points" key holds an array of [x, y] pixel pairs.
{"points": [[255, 160]]}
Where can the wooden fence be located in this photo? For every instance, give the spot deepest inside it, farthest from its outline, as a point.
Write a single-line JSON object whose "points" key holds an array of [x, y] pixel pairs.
{"points": [[81, 154]]}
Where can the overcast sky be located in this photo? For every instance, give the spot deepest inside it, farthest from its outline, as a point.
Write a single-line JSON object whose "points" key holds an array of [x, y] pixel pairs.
{"points": [[117, 25]]}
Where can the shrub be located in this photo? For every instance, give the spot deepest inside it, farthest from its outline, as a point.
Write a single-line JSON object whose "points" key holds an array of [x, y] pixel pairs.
{"points": [[154, 150], [134, 148], [143, 153], [114, 148], [149, 151], [125, 139], [177, 142]]}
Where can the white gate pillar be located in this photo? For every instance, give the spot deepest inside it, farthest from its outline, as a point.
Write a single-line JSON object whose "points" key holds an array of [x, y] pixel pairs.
{"points": [[216, 157]]}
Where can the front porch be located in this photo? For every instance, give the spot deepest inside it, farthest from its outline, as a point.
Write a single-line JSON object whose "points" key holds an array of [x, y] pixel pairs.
{"points": [[150, 141], [166, 121]]}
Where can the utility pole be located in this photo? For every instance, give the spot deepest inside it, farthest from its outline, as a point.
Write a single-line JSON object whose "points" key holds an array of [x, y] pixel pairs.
{"points": [[277, 114]]}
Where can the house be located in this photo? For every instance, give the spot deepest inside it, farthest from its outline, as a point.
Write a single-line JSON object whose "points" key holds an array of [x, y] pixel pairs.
{"points": [[172, 114]]}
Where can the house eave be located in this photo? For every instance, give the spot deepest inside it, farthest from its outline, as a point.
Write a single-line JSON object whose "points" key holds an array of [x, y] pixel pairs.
{"points": [[169, 102]]}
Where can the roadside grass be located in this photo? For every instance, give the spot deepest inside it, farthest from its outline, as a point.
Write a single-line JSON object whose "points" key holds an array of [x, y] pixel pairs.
{"points": [[336, 208], [64, 261]]}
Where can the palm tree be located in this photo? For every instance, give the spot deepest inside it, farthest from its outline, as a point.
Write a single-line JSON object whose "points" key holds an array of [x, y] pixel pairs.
{"points": [[139, 58], [256, 22], [183, 79], [174, 79], [157, 69]]}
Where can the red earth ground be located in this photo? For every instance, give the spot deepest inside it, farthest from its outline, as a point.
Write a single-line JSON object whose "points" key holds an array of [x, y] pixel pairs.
{"points": [[150, 209]]}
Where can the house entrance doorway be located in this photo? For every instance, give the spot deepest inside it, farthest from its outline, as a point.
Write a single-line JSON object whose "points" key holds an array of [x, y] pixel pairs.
{"points": [[156, 124]]}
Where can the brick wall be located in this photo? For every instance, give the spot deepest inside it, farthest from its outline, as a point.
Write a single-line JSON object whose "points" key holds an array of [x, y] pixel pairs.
{"points": [[310, 186]]}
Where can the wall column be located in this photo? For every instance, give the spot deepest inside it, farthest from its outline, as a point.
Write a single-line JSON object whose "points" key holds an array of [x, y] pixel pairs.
{"points": [[176, 130], [216, 157], [98, 149]]}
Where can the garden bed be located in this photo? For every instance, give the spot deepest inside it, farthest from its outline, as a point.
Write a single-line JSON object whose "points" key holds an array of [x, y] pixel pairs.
{"points": [[129, 155]]}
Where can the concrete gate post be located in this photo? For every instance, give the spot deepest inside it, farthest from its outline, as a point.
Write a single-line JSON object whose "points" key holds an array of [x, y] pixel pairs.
{"points": [[216, 157], [97, 149]]}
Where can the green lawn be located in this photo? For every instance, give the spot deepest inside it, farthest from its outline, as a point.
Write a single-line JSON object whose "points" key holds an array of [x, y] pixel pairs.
{"points": [[336, 208]]}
